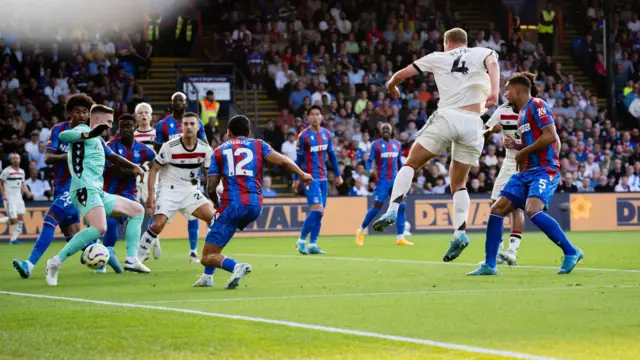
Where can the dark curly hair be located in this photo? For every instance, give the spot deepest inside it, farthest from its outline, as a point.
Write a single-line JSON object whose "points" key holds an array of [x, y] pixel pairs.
{"points": [[82, 100]]}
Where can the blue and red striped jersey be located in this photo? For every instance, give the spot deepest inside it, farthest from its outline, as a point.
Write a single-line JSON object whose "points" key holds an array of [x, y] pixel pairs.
{"points": [[388, 158], [240, 162], [169, 128], [314, 149], [535, 116], [61, 175], [138, 154]]}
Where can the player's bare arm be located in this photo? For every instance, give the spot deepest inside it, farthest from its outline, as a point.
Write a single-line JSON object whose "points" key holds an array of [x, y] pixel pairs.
{"points": [[284, 161], [547, 138], [491, 63], [492, 130], [51, 157], [399, 77], [126, 165], [212, 185], [26, 192], [151, 184]]}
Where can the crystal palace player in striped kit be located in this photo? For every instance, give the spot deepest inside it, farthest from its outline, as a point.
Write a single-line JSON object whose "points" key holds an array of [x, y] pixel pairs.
{"points": [[533, 186], [385, 153], [170, 128], [61, 212], [315, 145], [238, 163], [177, 168], [117, 182]]}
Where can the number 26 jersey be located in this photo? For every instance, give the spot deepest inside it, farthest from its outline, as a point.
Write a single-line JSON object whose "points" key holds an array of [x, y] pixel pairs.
{"points": [[240, 162], [460, 74]]}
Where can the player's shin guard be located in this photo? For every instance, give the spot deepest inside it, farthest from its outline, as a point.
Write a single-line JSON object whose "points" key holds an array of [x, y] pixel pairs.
{"points": [[461, 203], [552, 229], [79, 241], [111, 236], [193, 227], [495, 227], [401, 186], [228, 264], [17, 230], [368, 218], [402, 219], [44, 239], [315, 231], [132, 234]]}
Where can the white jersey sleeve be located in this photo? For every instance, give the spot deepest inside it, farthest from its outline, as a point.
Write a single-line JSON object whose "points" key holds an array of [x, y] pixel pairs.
{"points": [[460, 74]]}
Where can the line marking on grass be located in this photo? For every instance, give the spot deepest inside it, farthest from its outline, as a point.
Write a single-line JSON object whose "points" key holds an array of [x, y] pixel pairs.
{"points": [[427, 262], [426, 292], [335, 330]]}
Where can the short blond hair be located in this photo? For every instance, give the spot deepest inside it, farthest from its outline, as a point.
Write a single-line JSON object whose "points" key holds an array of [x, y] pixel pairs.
{"points": [[456, 36], [143, 105]]}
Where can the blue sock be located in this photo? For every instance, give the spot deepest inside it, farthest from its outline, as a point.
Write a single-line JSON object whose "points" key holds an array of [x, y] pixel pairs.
{"points": [[552, 229], [228, 264], [208, 270], [44, 239], [315, 230], [495, 227], [308, 224], [401, 220], [111, 236], [193, 227], [371, 214]]}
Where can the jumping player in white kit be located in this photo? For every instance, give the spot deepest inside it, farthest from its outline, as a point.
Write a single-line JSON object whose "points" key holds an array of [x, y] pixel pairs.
{"points": [[12, 187], [505, 120], [468, 80]]}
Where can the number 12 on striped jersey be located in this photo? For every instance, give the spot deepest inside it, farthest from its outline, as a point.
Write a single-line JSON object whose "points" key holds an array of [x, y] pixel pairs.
{"points": [[238, 169]]}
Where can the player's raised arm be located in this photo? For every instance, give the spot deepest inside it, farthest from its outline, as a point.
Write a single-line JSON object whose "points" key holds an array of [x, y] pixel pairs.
{"points": [[76, 134], [400, 76], [491, 63], [278, 159]]}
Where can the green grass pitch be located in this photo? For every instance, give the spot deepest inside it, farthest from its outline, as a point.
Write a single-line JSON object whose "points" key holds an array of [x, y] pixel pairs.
{"points": [[361, 298]]}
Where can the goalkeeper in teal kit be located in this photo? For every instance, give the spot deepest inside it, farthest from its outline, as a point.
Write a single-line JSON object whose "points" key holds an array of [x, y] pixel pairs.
{"points": [[86, 161]]}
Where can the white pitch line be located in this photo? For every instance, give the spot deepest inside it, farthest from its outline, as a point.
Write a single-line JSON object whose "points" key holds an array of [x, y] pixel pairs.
{"points": [[335, 330], [427, 262], [426, 292]]}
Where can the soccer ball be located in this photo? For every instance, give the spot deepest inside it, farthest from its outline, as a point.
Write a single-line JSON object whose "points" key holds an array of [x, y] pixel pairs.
{"points": [[95, 256]]}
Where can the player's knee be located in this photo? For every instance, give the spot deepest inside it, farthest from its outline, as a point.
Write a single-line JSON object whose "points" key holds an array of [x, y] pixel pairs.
{"points": [[500, 208], [102, 228], [137, 209], [377, 205], [532, 210]]}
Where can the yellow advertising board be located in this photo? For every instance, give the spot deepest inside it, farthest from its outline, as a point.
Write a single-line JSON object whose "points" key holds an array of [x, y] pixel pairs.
{"points": [[615, 211]]}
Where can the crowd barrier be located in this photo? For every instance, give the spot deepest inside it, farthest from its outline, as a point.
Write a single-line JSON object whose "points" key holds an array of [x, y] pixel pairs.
{"points": [[425, 213]]}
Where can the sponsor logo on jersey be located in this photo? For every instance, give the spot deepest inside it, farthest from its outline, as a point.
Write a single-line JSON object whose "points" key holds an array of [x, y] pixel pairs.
{"points": [[389, 155], [317, 148]]}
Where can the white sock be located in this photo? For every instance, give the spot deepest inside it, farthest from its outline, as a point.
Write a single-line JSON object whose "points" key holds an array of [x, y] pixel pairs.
{"points": [[193, 252], [461, 203], [4, 220], [514, 243], [30, 265], [399, 237], [361, 230], [132, 259], [401, 187], [56, 260], [147, 240], [301, 240], [17, 230]]}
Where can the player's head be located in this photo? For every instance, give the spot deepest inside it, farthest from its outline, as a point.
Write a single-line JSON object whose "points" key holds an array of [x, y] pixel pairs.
{"points": [[532, 79], [190, 125], [101, 114], [518, 90], [127, 125], [239, 125], [455, 38], [314, 113], [178, 101], [386, 131], [143, 114], [77, 107], [15, 160]]}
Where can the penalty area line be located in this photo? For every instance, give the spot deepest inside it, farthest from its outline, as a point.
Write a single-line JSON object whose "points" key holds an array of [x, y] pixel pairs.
{"points": [[328, 329]]}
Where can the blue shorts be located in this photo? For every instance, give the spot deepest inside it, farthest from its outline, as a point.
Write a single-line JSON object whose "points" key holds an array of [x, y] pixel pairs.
{"points": [[64, 211], [317, 192], [382, 191], [234, 216], [538, 183]]}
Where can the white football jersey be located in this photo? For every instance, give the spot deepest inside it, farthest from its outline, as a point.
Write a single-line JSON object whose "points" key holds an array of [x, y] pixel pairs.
{"points": [[182, 166], [146, 137], [461, 75], [508, 119], [13, 180]]}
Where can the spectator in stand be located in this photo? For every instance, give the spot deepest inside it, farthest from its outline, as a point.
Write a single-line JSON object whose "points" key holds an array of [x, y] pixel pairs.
{"points": [[40, 189], [296, 98], [624, 186], [267, 191], [285, 118]]}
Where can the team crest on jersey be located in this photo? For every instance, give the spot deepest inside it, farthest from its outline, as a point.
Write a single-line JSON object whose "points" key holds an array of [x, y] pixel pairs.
{"points": [[120, 151], [136, 153], [312, 138], [324, 137], [171, 125]]}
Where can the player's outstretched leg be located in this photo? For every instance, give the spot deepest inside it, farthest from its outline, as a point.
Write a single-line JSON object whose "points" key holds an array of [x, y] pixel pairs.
{"points": [[551, 228], [402, 219], [495, 226], [135, 213], [193, 228], [461, 203], [97, 221], [110, 239], [368, 218], [212, 258], [43, 242]]}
